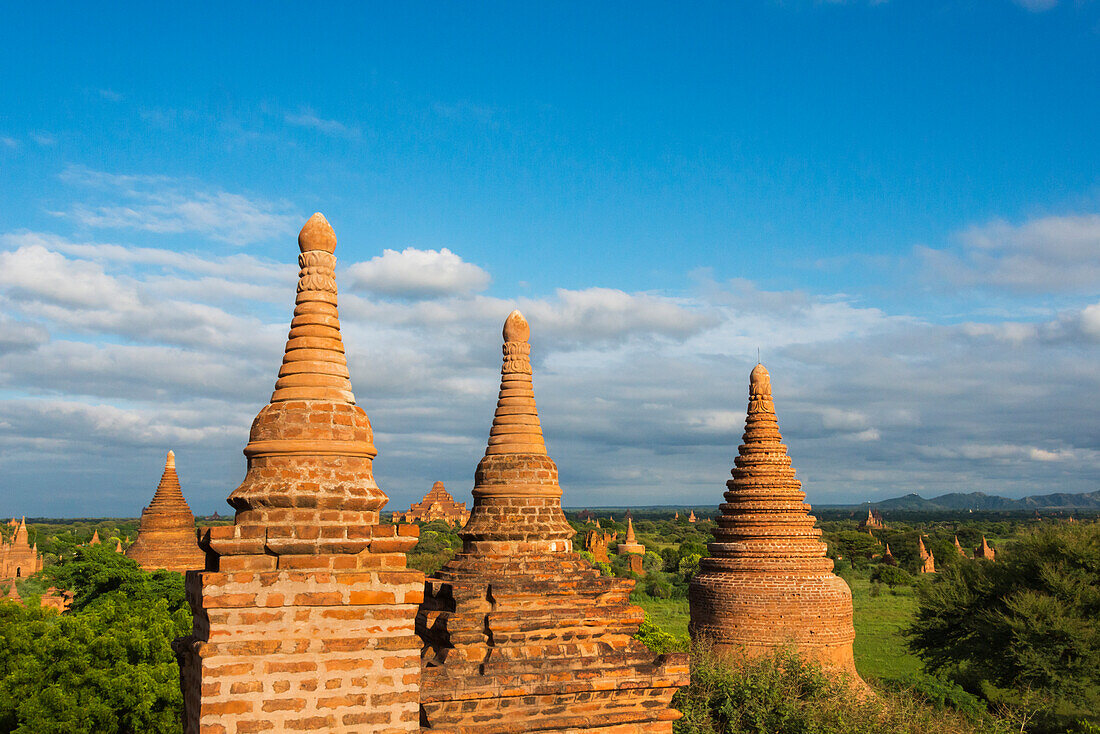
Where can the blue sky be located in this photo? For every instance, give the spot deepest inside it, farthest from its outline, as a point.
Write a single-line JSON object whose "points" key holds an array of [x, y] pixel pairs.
{"points": [[897, 202]]}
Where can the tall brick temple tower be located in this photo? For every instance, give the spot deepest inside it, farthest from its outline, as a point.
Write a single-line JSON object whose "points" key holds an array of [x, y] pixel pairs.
{"points": [[520, 633], [768, 583], [304, 616], [166, 536]]}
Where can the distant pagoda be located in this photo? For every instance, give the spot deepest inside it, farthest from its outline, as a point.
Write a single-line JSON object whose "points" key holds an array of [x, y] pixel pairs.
{"points": [[19, 559], [927, 560], [873, 520], [438, 504], [632, 549], [768, 583], [888, 557], [520, 633], [983, 551], [959, 548], [166, 535]]}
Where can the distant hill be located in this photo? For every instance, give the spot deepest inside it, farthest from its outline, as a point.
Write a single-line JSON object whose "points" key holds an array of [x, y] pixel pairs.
{"points": [[983, 501]]}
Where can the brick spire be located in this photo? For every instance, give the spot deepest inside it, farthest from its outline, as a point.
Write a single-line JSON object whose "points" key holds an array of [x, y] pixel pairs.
{"points": [[314, 366], [304, 614], [519, 632], [20, 538], [166, 536], [311, 449], [768, 583], [517, 499]]}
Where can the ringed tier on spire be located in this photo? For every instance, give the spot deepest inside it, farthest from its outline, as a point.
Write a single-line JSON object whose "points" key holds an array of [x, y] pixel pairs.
{"points": [[517, 499], [768, 582], [166, 534], [516, 628]]}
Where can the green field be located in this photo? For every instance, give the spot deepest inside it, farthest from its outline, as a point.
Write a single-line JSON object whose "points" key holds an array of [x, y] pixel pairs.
{"points": [[879, 648]]}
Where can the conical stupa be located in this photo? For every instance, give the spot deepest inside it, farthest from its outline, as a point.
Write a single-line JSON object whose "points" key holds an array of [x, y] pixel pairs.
{"points": [[631, 545], [307, 584], [166, 535], [520, 633], [95, 537], [983, 551], [959, 548], [768, 583], [888, 557]]}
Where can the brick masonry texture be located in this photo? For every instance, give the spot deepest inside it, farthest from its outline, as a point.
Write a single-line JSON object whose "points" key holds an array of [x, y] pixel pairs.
{"points": [[768, 583], [166, 536], [519, 633], [304, 614]]}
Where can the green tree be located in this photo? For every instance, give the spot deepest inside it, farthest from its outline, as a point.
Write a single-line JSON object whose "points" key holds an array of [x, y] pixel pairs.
{"points": [[1028, 622], [104, 667]]}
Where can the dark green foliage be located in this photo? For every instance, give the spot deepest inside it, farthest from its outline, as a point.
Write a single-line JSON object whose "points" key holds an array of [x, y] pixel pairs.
{"points": [[437, 545], [784, 694], [856, 546], [96, 573], [1029, 622], [104, 667], [891, 576], [941, 693]]}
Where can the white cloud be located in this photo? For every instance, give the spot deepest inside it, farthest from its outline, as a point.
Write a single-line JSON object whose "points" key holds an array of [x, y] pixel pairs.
{"points": [[44, 139], [1045, 255], [17, 336], [165, 206], [36, 273], [308, 119], [8, 142], [414, 273], [108, 350]]}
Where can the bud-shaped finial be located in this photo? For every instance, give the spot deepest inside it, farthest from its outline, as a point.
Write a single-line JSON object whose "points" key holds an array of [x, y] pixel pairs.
{"points": [[170, 462], [516, 328], [760, 382], [317, 234]]}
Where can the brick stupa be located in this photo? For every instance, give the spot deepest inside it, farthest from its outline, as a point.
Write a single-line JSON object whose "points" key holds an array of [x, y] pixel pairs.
{"points": [[166, 536], [768, 583], [304, 616], [520, 633], [632, 549], [438, 504]]}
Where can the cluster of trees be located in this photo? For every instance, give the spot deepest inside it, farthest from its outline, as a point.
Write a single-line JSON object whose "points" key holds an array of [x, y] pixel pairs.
{"points": [[1022, 632], [104, 667]]}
